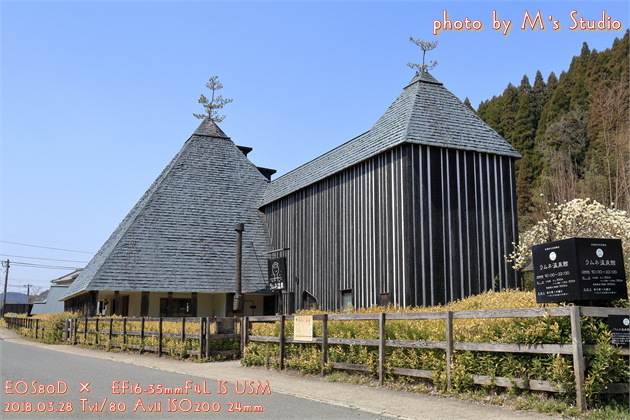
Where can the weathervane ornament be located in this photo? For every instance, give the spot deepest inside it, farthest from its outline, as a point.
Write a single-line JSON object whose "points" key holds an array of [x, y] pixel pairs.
{"points": [[425, 46]]}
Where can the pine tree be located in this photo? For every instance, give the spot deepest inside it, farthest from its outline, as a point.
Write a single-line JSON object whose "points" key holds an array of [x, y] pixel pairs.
{"points": [[425, 46], [468, 104], [215, 103]]}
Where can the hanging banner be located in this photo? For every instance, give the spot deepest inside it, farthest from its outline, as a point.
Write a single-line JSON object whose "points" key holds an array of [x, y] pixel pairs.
{"points": [[277, 269]]}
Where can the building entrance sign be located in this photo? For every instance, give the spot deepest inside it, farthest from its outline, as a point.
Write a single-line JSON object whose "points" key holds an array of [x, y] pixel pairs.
{"points": [[579, 269]]}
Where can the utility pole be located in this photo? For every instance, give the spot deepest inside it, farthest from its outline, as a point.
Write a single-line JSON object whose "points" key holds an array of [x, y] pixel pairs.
{"points": [[237, 306], [28, 293], [5, 264]]}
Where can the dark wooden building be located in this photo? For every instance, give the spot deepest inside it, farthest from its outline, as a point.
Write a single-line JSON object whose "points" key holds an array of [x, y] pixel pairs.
{"points": [[419, 210]]}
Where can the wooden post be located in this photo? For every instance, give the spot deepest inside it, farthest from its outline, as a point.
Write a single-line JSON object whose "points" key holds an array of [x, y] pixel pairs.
{"points": [[85, 332], [282, 342], [159, 349], [96, 328], [36, 328], [381, 348], [116, 303], [578, 358], [124, 342], [208, 337], [244, 332], [109, 335], [449, 349], [141, 335], [324, 343], [200, 338], [75, 327], [65, 330], [183, 330]]}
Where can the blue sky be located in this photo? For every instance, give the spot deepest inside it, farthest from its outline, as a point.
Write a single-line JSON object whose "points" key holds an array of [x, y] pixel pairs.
{"points": [[97, 97]]}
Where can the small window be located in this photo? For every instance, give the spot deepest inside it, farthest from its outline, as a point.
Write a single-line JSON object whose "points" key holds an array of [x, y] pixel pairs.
{"points": [[181, 307], [346, 299], [308, 301]]}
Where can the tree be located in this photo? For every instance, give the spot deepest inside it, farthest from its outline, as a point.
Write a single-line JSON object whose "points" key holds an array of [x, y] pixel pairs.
{"points": [[564, 147], [425, 46], [468, 104], [215, 103]]}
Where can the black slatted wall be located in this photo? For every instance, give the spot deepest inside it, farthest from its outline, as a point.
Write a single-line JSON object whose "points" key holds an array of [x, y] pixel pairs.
{"points": [[426, 225]]}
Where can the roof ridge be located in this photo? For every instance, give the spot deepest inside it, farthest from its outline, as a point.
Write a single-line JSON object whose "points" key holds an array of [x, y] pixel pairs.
{"points": [[209, 128], [424, 77], [424, 113]]}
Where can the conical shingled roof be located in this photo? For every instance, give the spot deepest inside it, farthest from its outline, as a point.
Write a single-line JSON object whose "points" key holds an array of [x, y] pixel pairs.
{"points": [[425, 113], [180, 235]]}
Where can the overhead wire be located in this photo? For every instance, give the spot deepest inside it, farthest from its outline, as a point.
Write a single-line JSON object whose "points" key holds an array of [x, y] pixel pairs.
{"points": [[43, 259], [47, 247], [50, 267]]}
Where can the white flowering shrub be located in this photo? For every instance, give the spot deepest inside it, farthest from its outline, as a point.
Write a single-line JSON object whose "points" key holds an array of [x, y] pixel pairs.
{"points": [[580, 217]]}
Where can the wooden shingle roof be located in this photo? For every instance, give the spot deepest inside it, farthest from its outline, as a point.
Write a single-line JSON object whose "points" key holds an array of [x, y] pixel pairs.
{"points": [[424, 113], [180, 235]]}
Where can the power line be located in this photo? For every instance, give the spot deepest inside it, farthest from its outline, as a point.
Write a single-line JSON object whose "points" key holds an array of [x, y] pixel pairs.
{"points": [[50, 267], [46, 259], [47, 247]]}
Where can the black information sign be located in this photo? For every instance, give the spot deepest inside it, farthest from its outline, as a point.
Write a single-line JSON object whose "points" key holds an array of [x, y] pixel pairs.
{"points": [[578, 269], [619, 326], [277, 269]]}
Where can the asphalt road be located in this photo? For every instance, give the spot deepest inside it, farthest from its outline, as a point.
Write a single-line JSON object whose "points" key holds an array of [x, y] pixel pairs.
{"points": [[68, 382]]}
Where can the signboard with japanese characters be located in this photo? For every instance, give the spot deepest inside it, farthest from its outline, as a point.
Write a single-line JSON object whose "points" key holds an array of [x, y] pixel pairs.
{"points": [[277, 268], [579, 269], [303, 328], [619, 326]]}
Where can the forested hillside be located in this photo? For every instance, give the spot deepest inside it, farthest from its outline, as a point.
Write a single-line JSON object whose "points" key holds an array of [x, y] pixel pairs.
{"points": [[572, 130]]}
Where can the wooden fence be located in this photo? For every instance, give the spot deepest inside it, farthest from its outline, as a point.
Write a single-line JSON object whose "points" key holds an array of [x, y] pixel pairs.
{"points": [[576, 349], [101, 332], [93, 330], [30, 323]]}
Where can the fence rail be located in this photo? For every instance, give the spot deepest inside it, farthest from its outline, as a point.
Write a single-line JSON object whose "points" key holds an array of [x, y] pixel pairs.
{"points": [[223, 327], [575, 349]]}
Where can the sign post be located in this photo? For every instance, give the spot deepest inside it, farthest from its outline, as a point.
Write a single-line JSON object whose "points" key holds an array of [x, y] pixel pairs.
{"points": [[303, 328], [579, 269]]}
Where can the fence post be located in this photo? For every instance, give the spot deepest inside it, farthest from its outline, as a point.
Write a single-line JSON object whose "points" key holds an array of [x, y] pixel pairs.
{"points": [[109, 336], [281, 342], [244, 332], [578, 358], [381, 348], [449, 348], [96, 328], [159, 349], [75, 328], [200, 338], [85, 332], [324, 343], [141, 335], [36, 328], [124, 342], [208, 337], [183, 330]]}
